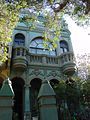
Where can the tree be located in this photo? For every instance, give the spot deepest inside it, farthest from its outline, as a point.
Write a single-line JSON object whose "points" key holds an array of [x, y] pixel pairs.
{"points": [[53, 10], [74, 92], [9, 16]]}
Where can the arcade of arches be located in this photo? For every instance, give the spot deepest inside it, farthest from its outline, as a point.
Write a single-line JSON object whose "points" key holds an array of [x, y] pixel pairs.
{"points": [[18, 86]]}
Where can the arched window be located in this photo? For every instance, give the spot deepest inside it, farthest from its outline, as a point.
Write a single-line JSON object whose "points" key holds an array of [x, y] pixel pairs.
{"points": [[37, 47], [19, 39], [64, 46]]}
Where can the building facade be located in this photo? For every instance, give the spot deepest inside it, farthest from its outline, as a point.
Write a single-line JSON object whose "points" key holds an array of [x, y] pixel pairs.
{"points": [[30, 64]]}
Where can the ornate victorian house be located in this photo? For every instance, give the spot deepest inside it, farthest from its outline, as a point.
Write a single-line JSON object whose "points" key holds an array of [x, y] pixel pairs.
{"points": [[33, 69]]}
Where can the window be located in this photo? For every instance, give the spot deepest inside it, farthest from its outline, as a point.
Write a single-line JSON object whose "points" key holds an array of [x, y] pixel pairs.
{"points": [[19, 39], [37, 47], [64, 46]]}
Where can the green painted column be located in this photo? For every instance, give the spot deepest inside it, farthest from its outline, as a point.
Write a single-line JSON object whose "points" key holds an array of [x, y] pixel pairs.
{"points": [[6, 95], [47, 102], [27, 112]]}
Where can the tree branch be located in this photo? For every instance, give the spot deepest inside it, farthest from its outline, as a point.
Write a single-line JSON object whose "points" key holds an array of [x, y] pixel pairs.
{"points": [[61, 5]]}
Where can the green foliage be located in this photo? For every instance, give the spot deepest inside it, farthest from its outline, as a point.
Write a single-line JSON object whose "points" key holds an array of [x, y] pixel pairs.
{"points": [[76, 93], [52, 10], [9, 16], [60, 89]]}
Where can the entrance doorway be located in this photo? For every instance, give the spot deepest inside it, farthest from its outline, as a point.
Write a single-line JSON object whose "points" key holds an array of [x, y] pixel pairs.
{"points": [[18, 88]]}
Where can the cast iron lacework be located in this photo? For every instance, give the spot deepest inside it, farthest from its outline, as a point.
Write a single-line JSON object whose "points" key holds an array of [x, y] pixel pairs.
{"points": [[37, 47]]}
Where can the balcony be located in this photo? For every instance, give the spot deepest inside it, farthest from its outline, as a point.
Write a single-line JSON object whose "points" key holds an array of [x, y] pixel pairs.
{"points": [[64, 61], [19, 58], [67, 63]]}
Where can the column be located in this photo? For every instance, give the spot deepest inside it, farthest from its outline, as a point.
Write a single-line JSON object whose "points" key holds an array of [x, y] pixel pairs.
{"points": [[44, 59], [27, 114]]}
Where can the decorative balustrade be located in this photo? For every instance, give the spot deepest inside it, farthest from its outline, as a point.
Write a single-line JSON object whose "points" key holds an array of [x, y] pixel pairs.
{"points": [[52, 60], [19, 51], [65, 60], [43, 59], [19, 57], [67, 63], [35, 58]]}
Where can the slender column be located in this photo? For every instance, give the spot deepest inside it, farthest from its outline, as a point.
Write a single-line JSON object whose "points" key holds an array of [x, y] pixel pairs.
{"points": [[27, 114], [44, 59]]}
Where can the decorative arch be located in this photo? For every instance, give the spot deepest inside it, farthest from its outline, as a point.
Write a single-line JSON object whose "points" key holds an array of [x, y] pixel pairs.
{"points": [[37, 47], [64, 46], [53, 77], [32, 77], [19, 39], [18, 88], [54, 82]]}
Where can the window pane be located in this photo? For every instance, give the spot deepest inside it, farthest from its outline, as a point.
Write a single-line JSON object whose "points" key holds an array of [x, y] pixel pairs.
{"points": [[33, 44], [65, 50], [39, 51], [62, 50], [40, 46], [46, 52], [53, 53], [32, 50], [16, 42], [39, 40]]}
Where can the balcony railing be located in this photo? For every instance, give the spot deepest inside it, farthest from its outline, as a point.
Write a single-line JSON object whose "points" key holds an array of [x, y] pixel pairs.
{"points": [[67, 62], [43, 59], [34, 58], [51, 60], [19, 51], [19, 57], [66, 58]]}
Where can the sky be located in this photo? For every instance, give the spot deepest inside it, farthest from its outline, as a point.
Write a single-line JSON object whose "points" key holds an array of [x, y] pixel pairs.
{"points": [[80, 37]]}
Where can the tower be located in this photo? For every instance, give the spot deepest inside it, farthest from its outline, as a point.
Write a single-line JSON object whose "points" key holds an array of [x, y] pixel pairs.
{"points": [[31, 64]]}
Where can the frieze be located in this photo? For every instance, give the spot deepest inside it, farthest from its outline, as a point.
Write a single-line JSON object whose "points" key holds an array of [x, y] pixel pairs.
{"points": [[54, 73], [36, 72]]}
